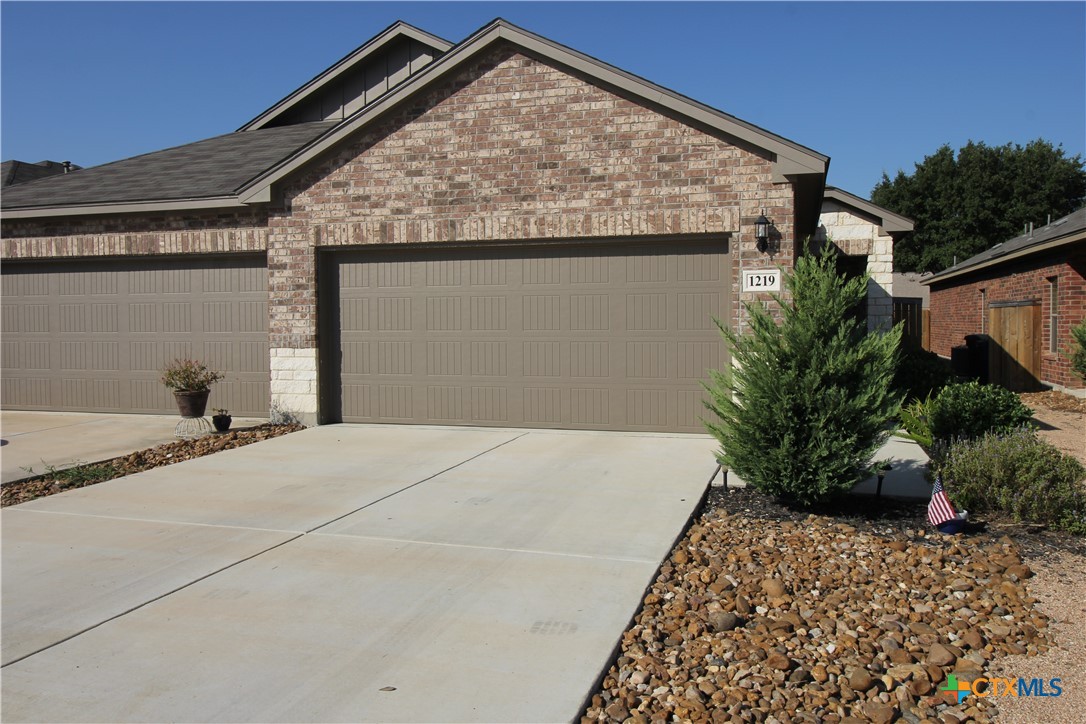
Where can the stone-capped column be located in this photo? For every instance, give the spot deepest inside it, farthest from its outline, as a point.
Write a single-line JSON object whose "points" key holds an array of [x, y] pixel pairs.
{"points": [[292, 323]]}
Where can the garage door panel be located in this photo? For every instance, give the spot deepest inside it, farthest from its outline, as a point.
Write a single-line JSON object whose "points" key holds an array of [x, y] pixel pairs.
{"points": [[605, 337], [94, 335]]}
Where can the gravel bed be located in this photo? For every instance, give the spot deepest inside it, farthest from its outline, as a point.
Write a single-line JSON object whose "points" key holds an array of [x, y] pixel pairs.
{"points": [[158, 456], [763, 613], [1060, 587]]}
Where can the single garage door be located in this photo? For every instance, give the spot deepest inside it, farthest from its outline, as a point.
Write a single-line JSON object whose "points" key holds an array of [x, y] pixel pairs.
{"points": [[603, 337], [93, 335]]}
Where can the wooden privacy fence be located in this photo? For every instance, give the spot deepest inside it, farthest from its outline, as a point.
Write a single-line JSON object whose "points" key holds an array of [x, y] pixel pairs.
{"points": [[917, 321]]}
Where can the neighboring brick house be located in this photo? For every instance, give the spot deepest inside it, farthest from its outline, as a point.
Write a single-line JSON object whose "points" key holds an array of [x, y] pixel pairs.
{"points": [[1025, 294], [864, 233], [498, 232]]}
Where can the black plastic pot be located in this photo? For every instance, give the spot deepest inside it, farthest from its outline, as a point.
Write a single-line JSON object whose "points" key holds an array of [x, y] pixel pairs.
{"points": [[222, 422]]}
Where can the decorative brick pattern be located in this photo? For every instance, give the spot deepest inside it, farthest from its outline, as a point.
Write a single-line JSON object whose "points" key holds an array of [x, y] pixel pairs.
{"points": [[958, 308], [856, 235], [136, 235]]}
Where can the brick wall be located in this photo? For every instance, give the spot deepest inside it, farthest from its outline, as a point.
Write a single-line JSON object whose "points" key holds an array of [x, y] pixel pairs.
{"points": [[509, 150], [198, 233], [512, 149], [956, 305]]}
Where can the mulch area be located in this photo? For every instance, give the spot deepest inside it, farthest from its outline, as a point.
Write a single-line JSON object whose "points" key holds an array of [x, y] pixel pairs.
{"points": [[167, 454], [1054, 400]]}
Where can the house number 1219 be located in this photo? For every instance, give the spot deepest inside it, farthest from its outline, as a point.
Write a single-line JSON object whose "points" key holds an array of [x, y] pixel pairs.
{"points": [[762, 280]]}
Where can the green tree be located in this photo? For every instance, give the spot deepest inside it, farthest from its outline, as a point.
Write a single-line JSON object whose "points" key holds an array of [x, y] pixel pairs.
{"points": [[1078, 350], [966, 202], [809, 401]]}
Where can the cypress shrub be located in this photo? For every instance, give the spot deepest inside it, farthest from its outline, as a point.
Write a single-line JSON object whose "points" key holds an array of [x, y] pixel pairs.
{"points": [[809, 400]]}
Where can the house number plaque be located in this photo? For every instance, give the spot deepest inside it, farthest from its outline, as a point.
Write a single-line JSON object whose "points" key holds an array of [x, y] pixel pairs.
{"points": [[762, 280]]}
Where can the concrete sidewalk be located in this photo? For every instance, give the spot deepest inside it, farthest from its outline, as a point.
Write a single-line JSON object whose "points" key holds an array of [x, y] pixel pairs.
{"points": [[34, 441], [344, 573], [905, 478]]}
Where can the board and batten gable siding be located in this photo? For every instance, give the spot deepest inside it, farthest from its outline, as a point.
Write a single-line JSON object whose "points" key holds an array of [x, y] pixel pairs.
{"points": [[363, 84], [958, 308], [512, 149]]}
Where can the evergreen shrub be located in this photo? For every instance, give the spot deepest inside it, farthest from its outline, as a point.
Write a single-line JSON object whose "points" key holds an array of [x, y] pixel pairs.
{"points": [[970, 409], [920, 373], [1078, 350], [809, 400]]}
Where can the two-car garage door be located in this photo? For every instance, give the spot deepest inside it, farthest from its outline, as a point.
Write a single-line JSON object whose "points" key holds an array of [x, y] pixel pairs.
{"points": [[93, 335], [612, 337], [597, 337]]}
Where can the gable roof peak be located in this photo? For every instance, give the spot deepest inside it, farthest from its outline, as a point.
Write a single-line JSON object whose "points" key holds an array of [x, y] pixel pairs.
{"points": [[352, 77]]}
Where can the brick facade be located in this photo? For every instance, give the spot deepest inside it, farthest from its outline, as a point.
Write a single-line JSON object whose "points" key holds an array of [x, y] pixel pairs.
{"points": [[195, 233], [508, 149], [960, 306]]}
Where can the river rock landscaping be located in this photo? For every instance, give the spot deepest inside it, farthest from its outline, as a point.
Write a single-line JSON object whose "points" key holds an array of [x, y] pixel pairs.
{"points": [[762, 613]]}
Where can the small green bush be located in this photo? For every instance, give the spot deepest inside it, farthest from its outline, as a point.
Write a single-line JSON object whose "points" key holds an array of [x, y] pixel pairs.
{"points": [[1078, 350], [189, 375], [915, 423], [1019, 475], [970, 409], [920, 373]]}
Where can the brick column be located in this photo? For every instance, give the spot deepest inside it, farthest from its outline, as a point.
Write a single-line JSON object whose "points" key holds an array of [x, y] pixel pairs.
{"points": [[292, 324]]}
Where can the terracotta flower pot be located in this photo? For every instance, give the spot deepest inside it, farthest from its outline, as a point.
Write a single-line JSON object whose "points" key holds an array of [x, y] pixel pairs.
{"points": [[192, 404]]}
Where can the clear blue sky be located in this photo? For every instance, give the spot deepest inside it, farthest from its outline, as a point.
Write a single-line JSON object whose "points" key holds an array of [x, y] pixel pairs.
{"points": [[875, 86]]}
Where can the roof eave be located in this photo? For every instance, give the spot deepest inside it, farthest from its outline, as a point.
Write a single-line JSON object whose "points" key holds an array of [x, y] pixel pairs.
{"points": [[953, 273], [123, 207], [790, 159], [890, 222]]}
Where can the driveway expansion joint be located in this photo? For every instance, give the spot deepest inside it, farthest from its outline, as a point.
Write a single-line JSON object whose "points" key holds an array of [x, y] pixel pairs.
{"points": [[416, 483], [529, 551], [148, 602]]}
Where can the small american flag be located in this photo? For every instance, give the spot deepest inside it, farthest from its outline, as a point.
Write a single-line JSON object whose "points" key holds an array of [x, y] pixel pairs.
{"points": [[940, 509]]}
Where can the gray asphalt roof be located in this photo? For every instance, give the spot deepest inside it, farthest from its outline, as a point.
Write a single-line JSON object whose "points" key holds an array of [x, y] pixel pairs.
{"points": [[1069, 224], [18, 172], [212, 167]]}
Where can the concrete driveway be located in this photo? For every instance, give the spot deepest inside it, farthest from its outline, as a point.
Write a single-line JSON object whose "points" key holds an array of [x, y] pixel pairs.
{"points": [[344, 573]]}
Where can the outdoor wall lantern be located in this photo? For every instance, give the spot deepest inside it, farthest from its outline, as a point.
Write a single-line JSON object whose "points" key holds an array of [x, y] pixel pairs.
{"points": [[761, 232]]}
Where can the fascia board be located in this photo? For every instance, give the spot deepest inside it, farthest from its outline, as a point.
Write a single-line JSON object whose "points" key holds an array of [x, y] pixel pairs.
{"points": [[890, 222], [134, 207], [1046, 246], [791, 159]]}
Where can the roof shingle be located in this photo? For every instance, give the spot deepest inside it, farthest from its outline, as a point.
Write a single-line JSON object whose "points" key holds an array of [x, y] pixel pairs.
{"points": [[204, 169]]}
